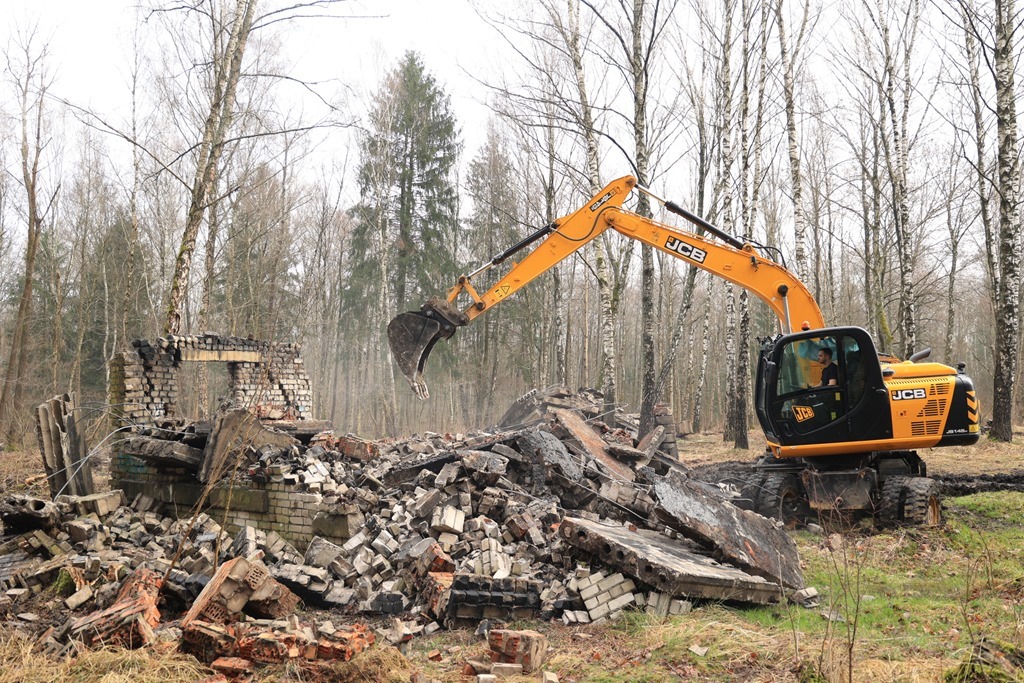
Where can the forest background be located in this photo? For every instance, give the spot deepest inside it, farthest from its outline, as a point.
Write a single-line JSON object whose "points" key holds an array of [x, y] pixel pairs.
{"points": [[231, 188]]}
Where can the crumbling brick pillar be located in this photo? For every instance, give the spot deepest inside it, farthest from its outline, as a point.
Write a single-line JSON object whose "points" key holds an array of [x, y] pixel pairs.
{"points": [[266, 378], [663, 416]]}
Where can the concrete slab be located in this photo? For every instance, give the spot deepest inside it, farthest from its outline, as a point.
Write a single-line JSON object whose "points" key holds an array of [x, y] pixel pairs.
{"points": [[234, 431], [739, 536], [161, 452], [586, 438], [665, 564], [544, 447]]}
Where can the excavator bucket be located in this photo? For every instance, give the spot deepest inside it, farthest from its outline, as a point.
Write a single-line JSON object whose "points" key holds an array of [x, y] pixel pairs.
{"points": [[412, 335]]}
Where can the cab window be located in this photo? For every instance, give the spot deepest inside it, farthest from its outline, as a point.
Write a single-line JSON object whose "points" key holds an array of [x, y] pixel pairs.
{"points": [[801, 368], [810, 391]]}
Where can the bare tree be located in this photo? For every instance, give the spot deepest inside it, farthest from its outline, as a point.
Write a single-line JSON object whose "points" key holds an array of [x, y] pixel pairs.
{"points": [[231, 31], [991, 39], [26, 66], [1008, 170], [789, 65]]}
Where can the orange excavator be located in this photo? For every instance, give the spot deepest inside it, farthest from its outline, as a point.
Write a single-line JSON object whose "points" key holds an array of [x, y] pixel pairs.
{"points": [[842, 421]]}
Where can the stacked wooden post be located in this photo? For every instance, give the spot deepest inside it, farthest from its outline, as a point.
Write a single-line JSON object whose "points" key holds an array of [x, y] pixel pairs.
{"points": [[65, 453]]}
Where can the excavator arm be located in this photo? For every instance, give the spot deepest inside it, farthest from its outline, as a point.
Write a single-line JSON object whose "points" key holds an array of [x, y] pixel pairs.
{"points": [[412, 335]]}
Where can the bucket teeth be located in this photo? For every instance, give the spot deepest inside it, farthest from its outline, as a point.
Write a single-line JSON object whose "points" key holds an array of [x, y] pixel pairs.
{"points": [[411, 336]]}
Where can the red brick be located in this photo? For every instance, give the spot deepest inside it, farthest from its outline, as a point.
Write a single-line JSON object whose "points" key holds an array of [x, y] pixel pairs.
{"points": [[129, 622], [231, 666], [528, 648]]}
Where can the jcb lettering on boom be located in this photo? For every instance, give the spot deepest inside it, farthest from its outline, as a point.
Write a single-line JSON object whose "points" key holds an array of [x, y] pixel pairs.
{"points": [[602, 201], [686, 250], [908, 394]]}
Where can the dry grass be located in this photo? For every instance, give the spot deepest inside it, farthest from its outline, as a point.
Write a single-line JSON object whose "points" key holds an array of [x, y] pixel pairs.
{"points": [[904, 671], [381, 664], [165, 665], [22, 471], [22, 665]]}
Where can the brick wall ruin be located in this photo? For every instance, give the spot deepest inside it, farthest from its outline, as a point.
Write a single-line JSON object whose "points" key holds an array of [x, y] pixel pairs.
{"points": [[290, 510], [160, 461], [267, 378]]}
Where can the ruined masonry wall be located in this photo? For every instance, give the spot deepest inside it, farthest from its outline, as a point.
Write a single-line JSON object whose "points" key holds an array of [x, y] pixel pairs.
{"points": [[264, 376], [296, 515]]}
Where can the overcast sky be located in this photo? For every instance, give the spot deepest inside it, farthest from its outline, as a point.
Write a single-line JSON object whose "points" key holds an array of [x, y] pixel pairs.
{"points": [[90, 46]]}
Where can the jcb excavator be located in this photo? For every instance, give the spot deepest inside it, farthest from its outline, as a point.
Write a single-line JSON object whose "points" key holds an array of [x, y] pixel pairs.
{"points": [[846, 443]]}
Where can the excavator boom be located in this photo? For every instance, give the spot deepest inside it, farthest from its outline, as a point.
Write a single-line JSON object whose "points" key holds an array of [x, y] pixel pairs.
{"points": [[412, 335]]}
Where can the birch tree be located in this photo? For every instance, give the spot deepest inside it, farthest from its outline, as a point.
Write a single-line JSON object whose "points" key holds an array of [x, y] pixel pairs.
{"points": [[230, 29], [789, 64], [637, 35], [896, 65], [991, 39], [27, 70], [1008, 177]]}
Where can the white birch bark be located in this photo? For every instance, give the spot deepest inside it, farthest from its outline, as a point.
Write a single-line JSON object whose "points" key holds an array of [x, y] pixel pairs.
{"points": [[1008, 175], [796, 180]]}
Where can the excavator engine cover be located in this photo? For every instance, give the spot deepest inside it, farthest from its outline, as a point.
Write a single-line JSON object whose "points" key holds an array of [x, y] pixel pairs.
{"points": [[412, 335]]}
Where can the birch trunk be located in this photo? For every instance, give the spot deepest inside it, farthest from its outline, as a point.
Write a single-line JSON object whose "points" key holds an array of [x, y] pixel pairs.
{"points": [[1008, 294], [559, 331], [981, 154], [954, 252], [796, 180], [228, 66], [749, 195], [727, 162], [731, 378], [702, 371], [897, 161], [651, 393], [570, 34]]}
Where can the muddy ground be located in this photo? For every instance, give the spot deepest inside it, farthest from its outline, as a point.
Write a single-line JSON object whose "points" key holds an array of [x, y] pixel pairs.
{"points": [[986, 467]]}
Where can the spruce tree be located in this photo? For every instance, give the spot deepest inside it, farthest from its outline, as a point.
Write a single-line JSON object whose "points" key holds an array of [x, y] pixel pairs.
{"points": [[406, 221]]}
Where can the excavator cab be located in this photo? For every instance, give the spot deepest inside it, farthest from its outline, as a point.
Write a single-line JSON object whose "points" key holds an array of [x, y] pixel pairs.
{"points": [[797, 407]]}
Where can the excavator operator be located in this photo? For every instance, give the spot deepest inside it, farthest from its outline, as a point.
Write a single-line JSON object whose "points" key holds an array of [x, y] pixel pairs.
{"points": [[829, 370]]}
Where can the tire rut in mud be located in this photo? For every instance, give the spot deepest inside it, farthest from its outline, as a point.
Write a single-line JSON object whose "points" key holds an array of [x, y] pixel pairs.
{"points": [[736, 471]]}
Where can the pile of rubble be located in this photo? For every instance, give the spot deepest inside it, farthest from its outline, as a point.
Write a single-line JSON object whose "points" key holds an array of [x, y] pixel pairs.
{"points": [[550, 516]]}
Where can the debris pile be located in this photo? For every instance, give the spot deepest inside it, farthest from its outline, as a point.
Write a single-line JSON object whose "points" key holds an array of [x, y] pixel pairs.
{"points": [[551, 515]]}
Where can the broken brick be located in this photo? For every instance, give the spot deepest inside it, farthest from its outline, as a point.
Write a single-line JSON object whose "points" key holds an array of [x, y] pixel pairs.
{"points": [[129, 622], [526, 648]]}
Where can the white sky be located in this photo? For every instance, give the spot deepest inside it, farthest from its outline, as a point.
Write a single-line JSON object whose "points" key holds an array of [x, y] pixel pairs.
{"points": [[90, 46]]}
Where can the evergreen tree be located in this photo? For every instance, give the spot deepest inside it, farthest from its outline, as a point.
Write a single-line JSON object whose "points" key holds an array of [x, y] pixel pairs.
{"points": [[406, 221], [492, 226], [404, 241]]}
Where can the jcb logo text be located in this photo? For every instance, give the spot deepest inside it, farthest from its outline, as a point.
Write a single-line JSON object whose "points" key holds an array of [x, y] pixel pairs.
{"points": [[686, 250], [908, 394], [602, 201]]}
